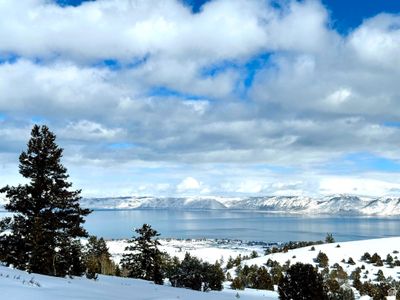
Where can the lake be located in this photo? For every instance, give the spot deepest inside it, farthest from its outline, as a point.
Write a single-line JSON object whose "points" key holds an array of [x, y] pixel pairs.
{"points": [[244, 225]]}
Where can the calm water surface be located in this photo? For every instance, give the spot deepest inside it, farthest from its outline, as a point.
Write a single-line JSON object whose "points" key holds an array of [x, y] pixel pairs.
{"points": [[244, 225]]}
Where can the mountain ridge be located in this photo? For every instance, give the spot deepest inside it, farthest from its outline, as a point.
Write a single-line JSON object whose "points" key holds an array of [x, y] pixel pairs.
{"points": [[340, 204], [333, 204]]}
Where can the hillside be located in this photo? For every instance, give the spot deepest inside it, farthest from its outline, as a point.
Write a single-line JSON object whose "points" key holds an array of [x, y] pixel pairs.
{"points": [[335, 204], [19, 285]]}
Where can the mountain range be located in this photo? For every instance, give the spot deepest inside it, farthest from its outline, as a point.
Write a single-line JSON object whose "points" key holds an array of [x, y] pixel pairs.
{"points": [[333, 204]]}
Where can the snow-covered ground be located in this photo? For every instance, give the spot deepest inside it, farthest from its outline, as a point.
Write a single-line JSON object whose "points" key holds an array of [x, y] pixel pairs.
{"points": [[19, 285], [207, 250], [346, 250]]}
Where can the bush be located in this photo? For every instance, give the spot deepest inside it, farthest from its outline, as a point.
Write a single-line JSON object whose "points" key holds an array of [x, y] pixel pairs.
{"points": [[350, 261], [263, 280], [339, 274], [253, 254], [255, 277], [376, 291], [322, 259], [193, 273], [276, 273], [389, 259], [375, 258], [366, 257], [380, 276], [342, 294], [238, 284], [302, 282], [213, 276]]}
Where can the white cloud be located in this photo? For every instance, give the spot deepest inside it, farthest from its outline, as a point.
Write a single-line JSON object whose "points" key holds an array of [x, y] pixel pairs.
{"points": [[188, 184], [377, 41], [358, 186], [91, 131], [250, 187], [317, 97]]}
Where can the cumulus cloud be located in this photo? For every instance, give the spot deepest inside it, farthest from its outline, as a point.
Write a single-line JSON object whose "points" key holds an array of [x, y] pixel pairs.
{"points": [[245, 83], [188, 184]]}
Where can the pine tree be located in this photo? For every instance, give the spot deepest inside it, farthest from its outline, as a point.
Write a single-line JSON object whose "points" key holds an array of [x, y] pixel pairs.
{"points": [[47, 216], [190, 273], [144, 259], [302, 282], [213, 276], [98, 258]]}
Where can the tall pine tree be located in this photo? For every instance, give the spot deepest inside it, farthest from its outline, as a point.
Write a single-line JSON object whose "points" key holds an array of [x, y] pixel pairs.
{"points": [[47, 217], [144, 259]]}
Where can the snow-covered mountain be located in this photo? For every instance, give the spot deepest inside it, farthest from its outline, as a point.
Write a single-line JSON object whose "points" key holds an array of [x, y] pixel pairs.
{"points": [[334, 204]]}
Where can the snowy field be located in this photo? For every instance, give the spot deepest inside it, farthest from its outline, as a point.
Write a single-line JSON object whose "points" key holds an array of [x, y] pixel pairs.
{"points": [[206, 249], [17, 285]]}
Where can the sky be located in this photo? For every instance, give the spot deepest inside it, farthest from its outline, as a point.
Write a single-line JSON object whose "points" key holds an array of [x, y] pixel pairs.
{"points": [[218, 97]]}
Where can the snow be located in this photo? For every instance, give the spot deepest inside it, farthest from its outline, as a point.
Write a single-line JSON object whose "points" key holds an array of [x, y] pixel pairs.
{"points": [[333, 204], [207, 250], [15, 285], [353, 249]]}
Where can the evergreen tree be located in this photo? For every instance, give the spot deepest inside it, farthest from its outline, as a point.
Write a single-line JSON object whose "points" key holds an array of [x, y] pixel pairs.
{"points": [[238, 284], [190, 273], [329, 238], [47, 217], [213, 276], [263, 280], [302, 282], [98, 258], [144, 259]]}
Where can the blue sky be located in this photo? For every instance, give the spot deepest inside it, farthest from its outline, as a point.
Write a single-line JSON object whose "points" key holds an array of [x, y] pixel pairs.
{"points": [[206, 97]]}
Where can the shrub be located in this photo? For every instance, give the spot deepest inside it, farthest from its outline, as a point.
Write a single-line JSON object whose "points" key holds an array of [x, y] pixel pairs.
{"points": [[350, 261], [366, 256], [238, 284], [276, 273], [380, 276], [302, 282], [339, 274], [322, 259], [254, 254], [193, 273], [389, 259], [342, 294], [375, 258]]}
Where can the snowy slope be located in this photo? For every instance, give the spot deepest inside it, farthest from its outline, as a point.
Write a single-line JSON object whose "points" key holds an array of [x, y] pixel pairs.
{"points": [[19, 285], [354, 250], [335, 204], [153, 202]]}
